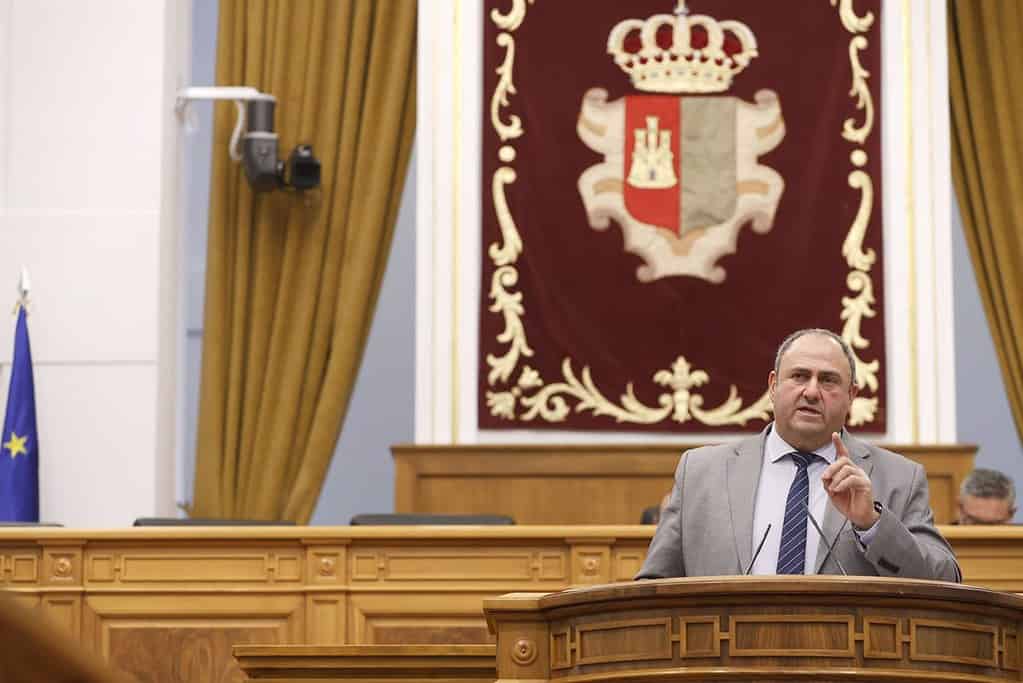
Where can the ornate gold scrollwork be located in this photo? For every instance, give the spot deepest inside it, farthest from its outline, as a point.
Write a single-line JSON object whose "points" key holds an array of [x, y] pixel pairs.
{"points": [[850, 20], [509, 304], [512, 20], [864, 100], [856, 308], [505, 86], [511, 246], [852, 247], [549, 402], [682, 404]]}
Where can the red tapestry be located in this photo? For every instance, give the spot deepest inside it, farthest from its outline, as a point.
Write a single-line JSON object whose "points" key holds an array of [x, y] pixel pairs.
{"points": [[668, 191]]}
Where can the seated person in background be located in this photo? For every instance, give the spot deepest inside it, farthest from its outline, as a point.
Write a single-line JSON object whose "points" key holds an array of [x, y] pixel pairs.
{"points": [[986, 497], [743, 507], [652, 514]]}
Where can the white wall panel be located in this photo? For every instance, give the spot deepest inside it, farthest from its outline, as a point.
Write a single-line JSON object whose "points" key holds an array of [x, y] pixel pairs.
{"points": [[85, 86], [94, 285], [97, 432], [5, 67], [89, 170], [96, 437]]}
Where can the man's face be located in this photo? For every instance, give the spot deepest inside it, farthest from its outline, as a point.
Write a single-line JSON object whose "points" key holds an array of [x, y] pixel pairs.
{"points": [[811, 391], [974, 510]]}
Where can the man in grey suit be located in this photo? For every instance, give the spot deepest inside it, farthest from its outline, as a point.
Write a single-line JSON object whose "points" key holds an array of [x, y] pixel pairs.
{"points": [[761, 492]]}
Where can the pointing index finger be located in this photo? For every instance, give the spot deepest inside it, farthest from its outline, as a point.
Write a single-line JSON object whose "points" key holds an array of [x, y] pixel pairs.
{"points": [[840, 450]]}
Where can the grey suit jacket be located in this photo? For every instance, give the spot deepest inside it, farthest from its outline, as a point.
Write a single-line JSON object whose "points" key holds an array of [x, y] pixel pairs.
{"points": [[707, 527]]}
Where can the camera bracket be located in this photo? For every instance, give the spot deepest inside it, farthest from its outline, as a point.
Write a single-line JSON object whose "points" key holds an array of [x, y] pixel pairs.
{"points": [[259, 152]]}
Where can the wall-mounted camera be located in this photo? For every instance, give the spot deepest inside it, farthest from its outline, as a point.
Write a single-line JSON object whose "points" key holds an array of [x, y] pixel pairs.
{"points": [[258, 141]]}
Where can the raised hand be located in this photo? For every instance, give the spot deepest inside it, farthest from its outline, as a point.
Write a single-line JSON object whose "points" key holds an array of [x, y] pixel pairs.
{"points": [[849, 487]]}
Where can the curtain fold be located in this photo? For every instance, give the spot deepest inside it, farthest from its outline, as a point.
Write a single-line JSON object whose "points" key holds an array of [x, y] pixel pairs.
{"points": [[985, 57], [292, 279]]}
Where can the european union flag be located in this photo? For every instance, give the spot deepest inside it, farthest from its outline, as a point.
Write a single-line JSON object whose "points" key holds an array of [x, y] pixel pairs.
{"points": [[19, 443]]}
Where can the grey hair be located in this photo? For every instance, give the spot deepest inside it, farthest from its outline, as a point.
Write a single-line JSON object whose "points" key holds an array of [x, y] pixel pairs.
{"points": [[984, 483], [824, 333]]}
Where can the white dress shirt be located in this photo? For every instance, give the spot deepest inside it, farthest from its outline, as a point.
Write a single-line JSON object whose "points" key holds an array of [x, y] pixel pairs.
{"points": [[776, 473]]}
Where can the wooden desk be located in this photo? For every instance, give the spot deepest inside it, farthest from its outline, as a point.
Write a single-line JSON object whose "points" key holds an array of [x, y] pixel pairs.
{"points": [[175, 600], [590, 483]]}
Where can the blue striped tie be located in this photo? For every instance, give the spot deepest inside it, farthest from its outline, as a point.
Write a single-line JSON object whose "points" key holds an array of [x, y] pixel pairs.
{"points": [[792, 552]]}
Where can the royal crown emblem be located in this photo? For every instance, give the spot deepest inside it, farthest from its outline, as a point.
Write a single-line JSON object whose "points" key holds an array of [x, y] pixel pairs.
{"points": [[692, 177], [677, 53]]}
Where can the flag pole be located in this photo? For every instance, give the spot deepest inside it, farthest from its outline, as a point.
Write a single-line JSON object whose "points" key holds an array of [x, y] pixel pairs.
{"points": [[24, 285]]}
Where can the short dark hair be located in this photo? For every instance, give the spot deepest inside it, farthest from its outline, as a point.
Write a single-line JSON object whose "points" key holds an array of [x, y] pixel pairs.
{"points": [[824, 333], [984, 483]]}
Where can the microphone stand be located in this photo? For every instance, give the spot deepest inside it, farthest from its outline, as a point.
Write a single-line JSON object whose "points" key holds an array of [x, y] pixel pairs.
{"points": [[757, 553], [829, 546]]}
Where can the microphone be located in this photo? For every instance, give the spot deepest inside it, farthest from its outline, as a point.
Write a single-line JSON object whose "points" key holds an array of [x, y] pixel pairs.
{"points": [[829, 546], [832, 547], [757, 553]]}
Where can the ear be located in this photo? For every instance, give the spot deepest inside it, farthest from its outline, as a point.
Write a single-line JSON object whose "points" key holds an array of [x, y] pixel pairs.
{"points": [[854, 389], [772, 380]]}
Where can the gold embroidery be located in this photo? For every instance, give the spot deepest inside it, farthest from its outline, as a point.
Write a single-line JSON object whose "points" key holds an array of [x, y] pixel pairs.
{"points": [[680, 67], [681, 404], [851, 22], [864, 100], [508, 304], [652, 159], [856, 308], [505, 86], [550, 402], [509, 250], [512, 20], [852, 247]]}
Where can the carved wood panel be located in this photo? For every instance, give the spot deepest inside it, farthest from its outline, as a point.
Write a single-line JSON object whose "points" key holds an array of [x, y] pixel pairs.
{"points": [[382, 619], [465, 565], [187, 637]]}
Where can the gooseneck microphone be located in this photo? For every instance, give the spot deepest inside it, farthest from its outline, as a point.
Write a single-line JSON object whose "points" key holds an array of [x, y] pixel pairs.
{"points": [[757, 553], [829, 546], [832, 547]]}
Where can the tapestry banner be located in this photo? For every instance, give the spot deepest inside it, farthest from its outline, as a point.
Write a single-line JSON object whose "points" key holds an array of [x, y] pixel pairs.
{"points": [[669, 190]]}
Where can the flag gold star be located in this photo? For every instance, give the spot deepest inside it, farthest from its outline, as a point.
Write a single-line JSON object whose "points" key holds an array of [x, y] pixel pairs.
{"points": [[16, 444]]}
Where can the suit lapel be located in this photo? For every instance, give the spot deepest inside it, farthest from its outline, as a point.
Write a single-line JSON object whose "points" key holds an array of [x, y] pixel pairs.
{"points": [[833, 519], [743, 474]]}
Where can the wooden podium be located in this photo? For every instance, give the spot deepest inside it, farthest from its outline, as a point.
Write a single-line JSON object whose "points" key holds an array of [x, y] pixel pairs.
{"points": [[805, 628]]}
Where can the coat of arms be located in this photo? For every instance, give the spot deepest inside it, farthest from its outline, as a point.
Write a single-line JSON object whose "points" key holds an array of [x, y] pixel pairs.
{"points": [[680, 174]]}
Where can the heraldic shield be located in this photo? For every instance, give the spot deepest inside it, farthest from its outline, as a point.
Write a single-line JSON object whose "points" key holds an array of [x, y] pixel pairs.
{"points": [[680, 175]]}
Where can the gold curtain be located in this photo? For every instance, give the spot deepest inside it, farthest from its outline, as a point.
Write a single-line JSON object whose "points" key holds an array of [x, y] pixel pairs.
{"points": [[985, 57], [292, 279]]}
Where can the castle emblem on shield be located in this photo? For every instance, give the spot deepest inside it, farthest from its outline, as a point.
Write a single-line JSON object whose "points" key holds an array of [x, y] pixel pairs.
{"points": [[680, 173]]}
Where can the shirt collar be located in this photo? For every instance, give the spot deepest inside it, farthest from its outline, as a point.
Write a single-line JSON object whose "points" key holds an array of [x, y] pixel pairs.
{"points": [[776, 448]]}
